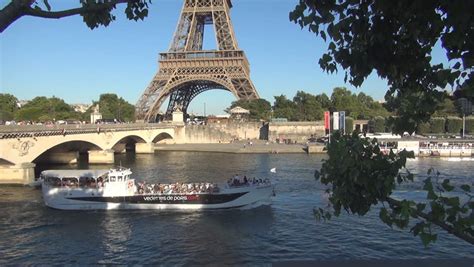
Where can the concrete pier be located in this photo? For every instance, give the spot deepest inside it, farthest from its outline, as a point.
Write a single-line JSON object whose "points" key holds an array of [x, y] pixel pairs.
{"points": [[101, 156], [144, 148], [23, 173]]}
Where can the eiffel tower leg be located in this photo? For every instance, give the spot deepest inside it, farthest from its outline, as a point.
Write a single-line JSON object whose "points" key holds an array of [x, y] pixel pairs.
{"points": [[245, 88], [147, 100]]}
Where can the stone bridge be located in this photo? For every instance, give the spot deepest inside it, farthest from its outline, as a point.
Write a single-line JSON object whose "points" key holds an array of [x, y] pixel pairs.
{"points": [[23, 146]]}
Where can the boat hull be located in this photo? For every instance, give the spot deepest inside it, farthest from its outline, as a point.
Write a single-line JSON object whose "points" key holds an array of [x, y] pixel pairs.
{"points": [[75, 199]]}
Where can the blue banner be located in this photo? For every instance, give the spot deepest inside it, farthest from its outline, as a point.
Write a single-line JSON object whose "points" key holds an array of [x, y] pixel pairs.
{"points": [[342, 121]]}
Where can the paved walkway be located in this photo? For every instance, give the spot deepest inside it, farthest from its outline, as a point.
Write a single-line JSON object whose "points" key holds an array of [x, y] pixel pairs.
{"points": [[237, 147]]}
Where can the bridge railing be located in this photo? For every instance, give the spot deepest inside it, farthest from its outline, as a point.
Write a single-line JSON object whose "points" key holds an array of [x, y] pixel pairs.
{"points": [[20, 131]]}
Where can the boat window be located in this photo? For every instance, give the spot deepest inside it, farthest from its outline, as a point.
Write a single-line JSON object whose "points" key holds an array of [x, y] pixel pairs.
{"points": [[70, 181], [119, 178], [112, 178], [87, 182], [53, 181]]}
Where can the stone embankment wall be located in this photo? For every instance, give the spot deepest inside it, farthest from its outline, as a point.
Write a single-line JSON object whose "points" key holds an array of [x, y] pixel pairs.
{"points": [[294, 131], [201, 134], [243, 131], [224, 133], [227, 132]]}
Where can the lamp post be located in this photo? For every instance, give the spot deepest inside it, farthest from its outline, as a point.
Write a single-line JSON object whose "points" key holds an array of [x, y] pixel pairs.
{"points": [[466, 108]]}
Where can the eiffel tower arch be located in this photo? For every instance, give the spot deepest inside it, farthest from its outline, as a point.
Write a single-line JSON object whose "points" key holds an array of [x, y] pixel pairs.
{"points": [[187, 70]]}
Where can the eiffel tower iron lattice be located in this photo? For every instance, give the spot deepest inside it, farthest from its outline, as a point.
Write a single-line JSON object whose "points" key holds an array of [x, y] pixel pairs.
{"points": [[187, 70]]}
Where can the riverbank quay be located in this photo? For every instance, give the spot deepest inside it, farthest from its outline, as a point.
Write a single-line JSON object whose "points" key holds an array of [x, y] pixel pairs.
{"points": [[449, 148], [242, 148]]}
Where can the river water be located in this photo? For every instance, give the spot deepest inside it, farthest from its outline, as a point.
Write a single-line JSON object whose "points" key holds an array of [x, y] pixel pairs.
{"points": [[30, 233]]}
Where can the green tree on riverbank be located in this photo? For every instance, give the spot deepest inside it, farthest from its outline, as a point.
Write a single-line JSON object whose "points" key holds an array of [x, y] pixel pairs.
{"points": [[43, 109], [46, 109], [8, 107], [260, 109], [308, 107], [113, 107]]}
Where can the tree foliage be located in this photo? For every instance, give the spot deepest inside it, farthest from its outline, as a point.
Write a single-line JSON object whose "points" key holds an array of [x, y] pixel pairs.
{"points": [[260, 109], [46, 109], [349, 125], [395, 39], [437, 125], [113, 107], [94, 13], [453, 125], [284, 108], [8, 106], [360, 106], [309, 107], [379, 124], [43, 109], [423, 128], [447, 108], [470, 124]]}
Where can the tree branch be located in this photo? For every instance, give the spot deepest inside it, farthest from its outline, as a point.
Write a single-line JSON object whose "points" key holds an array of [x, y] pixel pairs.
{"points": [[448, 228], [13, 11], [19, 8], [71, 12]]}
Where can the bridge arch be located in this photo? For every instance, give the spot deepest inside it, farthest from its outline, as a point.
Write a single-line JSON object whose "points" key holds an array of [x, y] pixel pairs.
{"points": [[127, 143], [6, 162], [182, 91], [161, 136], [79, 146]]}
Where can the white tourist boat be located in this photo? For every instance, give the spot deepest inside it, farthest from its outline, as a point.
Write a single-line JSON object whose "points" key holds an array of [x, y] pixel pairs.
{"points": [[114, 189]]}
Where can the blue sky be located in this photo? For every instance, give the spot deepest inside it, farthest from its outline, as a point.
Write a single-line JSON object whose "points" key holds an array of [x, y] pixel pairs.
{"points": [[66, 59]]}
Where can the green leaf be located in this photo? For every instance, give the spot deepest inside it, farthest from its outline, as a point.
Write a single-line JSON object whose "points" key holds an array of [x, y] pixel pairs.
{"points": [[427, 238], [453, 201], [323, 35], [384, 216], [420, 207], [432, 195], [447, 186], [466, 188]]}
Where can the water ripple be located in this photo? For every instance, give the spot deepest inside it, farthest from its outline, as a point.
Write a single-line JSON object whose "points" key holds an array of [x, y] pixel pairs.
{"points": [[286, 230]]}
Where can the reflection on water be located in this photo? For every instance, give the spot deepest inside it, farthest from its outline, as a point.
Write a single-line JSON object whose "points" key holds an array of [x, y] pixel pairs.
{"points": [[286, 230]]}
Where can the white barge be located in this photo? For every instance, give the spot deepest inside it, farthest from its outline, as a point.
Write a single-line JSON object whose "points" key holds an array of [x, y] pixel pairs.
{"points": [[114, 189]]}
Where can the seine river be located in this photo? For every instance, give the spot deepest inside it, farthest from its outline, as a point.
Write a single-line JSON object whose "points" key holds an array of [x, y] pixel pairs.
{"points": [[32, 234]]}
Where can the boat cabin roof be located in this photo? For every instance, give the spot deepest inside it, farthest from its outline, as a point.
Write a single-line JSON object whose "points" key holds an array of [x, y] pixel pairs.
{"points": [[119, 172], [74, 173]]}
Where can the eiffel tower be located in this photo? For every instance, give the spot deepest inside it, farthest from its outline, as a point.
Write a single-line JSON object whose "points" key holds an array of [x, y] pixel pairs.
{"points": [[187, 70]]}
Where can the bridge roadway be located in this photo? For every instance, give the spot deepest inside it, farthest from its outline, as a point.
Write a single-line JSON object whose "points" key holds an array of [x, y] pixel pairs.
{"points": [[22, 146]]}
